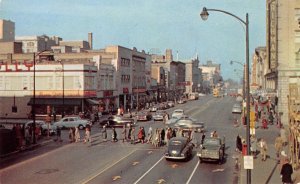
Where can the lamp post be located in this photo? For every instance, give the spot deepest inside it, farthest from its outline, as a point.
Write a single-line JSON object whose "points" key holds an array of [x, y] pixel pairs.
{"points": [[33, 101], [204, 15], [63, 88]]}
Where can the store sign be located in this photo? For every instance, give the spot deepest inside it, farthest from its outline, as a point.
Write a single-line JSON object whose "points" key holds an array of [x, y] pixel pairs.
{"points": [[16, 66]]}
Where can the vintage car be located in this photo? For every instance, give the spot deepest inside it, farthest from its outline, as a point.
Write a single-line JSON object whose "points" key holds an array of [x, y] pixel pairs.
{"points": [[159, 115], [187, 123], [72, 121], [212, 149], [144, 116], [171, 104], [237, 108], [179, 148], [153, 108], [117, 121], [178, 113]]}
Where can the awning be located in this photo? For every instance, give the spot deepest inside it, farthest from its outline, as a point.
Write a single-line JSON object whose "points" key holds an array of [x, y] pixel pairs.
{"points": [[55, 101], [92, 102]]}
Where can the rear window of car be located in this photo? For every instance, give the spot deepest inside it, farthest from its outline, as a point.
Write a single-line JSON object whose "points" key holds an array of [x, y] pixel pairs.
{"points": [[175, 143], [212, 142]]}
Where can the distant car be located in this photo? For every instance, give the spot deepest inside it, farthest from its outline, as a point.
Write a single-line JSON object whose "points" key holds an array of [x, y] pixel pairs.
{"points": [[178, 113], [117, 121], [163, 106], [172, 120], [212, 149], [159, 115], [181, 101], [186, 123], [72, 121], [153, 109], [144, 116], [237, 108], [179, 148], [170, 104], [44, 126]]}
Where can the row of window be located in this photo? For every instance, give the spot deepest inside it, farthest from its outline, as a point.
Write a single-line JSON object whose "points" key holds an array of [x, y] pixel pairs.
{"points": [[125, 78], [125, 62]]}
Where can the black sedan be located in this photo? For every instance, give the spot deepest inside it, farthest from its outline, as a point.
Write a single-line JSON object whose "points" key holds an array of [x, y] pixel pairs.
{"points": [[117, 121], [213, 149], [179, 148]]}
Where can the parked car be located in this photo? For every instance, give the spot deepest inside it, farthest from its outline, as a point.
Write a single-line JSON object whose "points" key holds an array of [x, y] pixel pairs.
{"points": [[117, 121], [72, 121], [171, 104], [212, 149], [177, 113], [144, 116], [153, 109], [181, 101], [163, 106], [179, 148], [44, 126], [187, 123], [159, 115], [237, 108]]}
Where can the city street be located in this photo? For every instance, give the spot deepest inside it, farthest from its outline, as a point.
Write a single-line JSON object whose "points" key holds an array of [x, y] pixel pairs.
{"points": [[107, 162]]}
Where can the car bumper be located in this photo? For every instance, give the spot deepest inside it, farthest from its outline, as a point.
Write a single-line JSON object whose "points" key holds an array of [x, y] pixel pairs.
{"points": [[175, 157], [204, 157]]}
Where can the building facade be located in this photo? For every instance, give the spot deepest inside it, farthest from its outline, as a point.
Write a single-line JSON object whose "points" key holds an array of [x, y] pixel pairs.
{"points": [[7, 31]]}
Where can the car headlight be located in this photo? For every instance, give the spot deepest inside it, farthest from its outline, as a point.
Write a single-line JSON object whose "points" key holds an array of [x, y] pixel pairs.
{"points": [[174, 152]]}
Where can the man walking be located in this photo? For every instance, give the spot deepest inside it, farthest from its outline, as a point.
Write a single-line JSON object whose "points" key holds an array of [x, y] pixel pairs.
{"points": [[278, 146], [286, 172], [263, 149]]}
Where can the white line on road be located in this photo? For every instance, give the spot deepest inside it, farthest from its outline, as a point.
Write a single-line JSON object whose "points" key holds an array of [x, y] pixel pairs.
{"points": [[148, 170], [92, 177], [188, 181]]}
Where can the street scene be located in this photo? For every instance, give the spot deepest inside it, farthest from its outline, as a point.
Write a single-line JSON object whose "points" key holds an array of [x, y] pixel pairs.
{"points": [[149, 92]]}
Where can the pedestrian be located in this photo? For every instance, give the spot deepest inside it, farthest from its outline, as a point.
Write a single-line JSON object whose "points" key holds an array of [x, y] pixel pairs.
{"points": [[71, 135], [124, 133], [238, 143], [77, 135], [253, 143], [88, 135], [283, 136], [27, 136], [140, 135], [133, 136], [263, 149], [129, 133], [150, 134], [168, 135], [202, 138], [143, 135], [162, 136], [104, 133], [58, 134], [173, 132], [157, 138], [264, 123], [114, 135], [278, 146], [286, 172], [193, 138]]}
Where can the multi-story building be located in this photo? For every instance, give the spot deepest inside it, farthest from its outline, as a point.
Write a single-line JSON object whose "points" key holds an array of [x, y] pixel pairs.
{"points": [[7, 31], [64, 87], [288, 65], [259, 69], [210, 73], [192, 75], [37, 44]]}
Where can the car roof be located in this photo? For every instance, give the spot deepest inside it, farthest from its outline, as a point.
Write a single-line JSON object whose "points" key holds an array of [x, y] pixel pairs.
{"points": [[182, 139]]}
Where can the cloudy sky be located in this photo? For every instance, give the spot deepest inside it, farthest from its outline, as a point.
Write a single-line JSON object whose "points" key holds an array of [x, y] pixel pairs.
{"points": [[150, 25]]}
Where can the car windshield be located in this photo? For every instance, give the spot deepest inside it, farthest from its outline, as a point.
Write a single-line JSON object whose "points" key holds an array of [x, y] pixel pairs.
{"points": [[215, 142]]}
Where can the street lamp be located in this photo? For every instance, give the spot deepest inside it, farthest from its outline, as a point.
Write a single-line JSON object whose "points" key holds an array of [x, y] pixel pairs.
{"points": [[204, 15], [63, 88], [33, 102], [244, 69]]}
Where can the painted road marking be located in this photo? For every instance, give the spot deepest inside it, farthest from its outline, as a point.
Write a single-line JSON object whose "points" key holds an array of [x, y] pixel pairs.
{"points": [[148, 170], [105, 169], [116, 178], [135, 163], [160, 181], [188, 181]]}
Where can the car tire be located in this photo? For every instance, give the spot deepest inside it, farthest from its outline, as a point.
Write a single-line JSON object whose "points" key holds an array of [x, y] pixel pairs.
{"points": [[200, 160], [81, 127]]}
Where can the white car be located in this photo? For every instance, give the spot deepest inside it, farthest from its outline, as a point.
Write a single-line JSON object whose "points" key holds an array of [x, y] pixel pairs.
{"points": [[172, 120], [153, 109], [72, 121], [178, 113], [159, 115], [237, 108]]}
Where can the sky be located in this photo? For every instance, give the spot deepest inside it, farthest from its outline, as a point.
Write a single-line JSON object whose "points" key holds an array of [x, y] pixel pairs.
{"points": [[150, 25]]}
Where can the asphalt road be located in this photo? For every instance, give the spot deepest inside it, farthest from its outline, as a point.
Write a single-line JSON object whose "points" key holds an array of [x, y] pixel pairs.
{"points": [[108, 162]]}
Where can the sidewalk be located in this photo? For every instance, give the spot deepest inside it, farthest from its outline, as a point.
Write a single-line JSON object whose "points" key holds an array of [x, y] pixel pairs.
{"points": [[267, 171]]}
